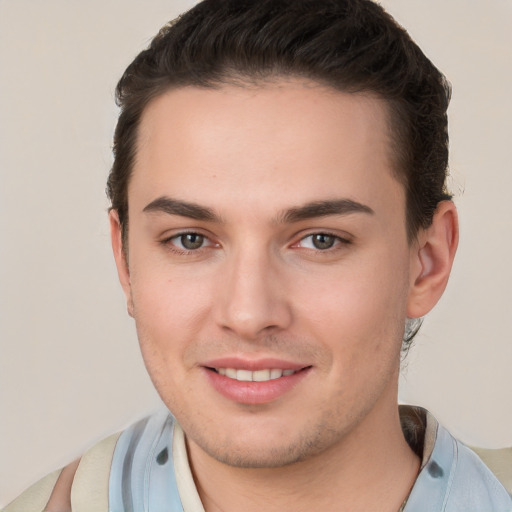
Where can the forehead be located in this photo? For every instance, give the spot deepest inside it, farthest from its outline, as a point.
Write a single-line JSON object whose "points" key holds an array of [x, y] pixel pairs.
{"points": [[302, 139]]}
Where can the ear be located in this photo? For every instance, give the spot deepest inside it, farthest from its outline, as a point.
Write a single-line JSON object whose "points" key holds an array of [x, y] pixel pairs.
{"points": [[123, 271], [432, 260]]}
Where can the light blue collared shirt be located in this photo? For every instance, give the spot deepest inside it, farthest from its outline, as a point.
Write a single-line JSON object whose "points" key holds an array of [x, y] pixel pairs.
{"points": [[452, 477]]}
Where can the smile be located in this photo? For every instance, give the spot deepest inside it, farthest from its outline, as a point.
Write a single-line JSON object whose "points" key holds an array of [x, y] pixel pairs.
{"points": [[254, 376], [261, 384]]}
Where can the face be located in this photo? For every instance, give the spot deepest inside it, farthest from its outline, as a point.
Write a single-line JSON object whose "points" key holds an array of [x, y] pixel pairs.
{"points": [[268, 267]]}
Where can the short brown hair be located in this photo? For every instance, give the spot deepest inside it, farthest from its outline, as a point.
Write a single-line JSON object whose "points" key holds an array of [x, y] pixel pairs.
{"points": [[349, 45]]}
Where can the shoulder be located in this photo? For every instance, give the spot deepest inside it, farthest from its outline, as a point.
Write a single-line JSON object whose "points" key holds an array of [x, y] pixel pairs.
{"points": [[474, 483], [454, 479], [83, 481], [60, 499], [88, 484], [36, 497], [499, 461]]}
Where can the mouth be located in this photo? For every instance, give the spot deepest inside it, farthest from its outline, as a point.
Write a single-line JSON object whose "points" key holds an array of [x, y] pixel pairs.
{"points": [[255, 376], [254, 386]]}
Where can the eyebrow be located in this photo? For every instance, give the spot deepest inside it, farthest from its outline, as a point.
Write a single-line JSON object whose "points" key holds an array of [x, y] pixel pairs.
{"points": [[182, 208], [323, 209], [310, 210]]}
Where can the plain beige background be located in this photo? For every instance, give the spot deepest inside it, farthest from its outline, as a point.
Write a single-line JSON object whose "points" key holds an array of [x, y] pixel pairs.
{"points": [[70, 370]]}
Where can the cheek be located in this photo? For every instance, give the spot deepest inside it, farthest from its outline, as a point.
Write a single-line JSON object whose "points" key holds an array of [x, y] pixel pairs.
{"points": [[168, 308], [167, 315], [356, 299], [358, 311]]}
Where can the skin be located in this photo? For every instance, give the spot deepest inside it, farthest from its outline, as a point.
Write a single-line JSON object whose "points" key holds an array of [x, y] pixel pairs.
{"points": [[60, 499], [258, 287]]}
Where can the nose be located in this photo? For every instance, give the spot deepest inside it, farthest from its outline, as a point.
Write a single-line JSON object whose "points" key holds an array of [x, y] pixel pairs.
{"points": [[251, 299]]}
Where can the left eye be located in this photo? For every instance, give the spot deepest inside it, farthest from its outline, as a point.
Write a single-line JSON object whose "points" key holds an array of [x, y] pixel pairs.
{"points": [[320, 241], [190, 241]]}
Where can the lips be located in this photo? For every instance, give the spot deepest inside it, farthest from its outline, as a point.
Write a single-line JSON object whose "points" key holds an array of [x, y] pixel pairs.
{"points": [[254, 382]]}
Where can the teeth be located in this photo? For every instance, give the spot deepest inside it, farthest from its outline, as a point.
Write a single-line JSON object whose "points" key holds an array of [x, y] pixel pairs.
{"points": [[275, 374], [256, 376], [261, 375], [244, 375], [231, 373]]}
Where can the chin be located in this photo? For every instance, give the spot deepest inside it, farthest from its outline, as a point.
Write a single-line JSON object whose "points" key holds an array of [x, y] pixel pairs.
{"points": [[261, 458], [265, 449]]}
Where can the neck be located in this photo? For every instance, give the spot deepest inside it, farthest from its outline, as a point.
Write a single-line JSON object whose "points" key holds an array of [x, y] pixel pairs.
{"points": [[373, 468]]}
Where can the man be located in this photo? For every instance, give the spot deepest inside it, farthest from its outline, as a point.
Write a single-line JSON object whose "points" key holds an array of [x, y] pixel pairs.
{"points": [[279, 219]]}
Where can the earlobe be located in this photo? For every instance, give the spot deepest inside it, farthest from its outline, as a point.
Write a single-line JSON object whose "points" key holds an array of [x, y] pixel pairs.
{"points": [[432, 260], [118, 249]]}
